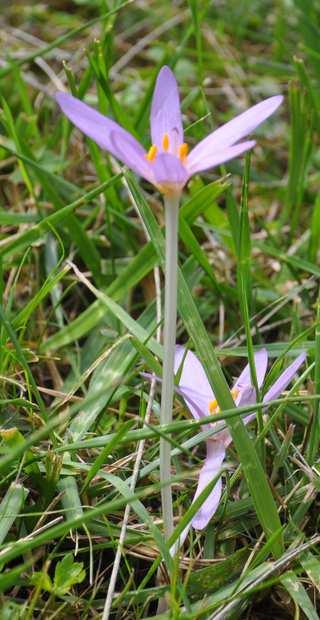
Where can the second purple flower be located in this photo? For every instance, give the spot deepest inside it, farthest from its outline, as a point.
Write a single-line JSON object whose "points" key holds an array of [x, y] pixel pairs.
{"points": [[200, 400]]}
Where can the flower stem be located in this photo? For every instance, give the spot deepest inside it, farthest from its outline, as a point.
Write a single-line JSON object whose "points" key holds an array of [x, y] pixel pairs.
{"points": [[169, 342]]}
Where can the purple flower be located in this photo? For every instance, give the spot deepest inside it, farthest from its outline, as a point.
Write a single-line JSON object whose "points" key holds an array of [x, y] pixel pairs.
{"points": [[199, 398], [167, 164]]}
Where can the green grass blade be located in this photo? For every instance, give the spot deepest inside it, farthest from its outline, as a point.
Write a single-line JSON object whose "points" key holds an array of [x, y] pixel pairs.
{"points": [[10, 507], [297, 592]]}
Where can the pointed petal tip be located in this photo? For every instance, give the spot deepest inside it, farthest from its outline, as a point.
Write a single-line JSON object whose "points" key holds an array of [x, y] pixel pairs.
{"points": [[275, 102], [262, 353], [262, 356], [302, 357], [284, 379], [278, 99], [165, 69], [166, 78], [249, 145]]}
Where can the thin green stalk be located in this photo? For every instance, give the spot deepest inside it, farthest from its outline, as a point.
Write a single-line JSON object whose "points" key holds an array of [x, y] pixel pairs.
{"points": [[169, 341]]}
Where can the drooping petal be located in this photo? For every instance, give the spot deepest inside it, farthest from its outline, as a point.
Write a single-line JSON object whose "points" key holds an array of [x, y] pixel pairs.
{"points": [[193, 379], [215, 455], [169, 173], [165, 111], [205, 160], [234, 130], [260, 362], [95, 125], [126, 150], [285, 378]]}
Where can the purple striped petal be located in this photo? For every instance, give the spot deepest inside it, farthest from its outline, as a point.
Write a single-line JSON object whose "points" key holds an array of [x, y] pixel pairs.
{"points": [[215, 456], [193, 379], [165, 111], [285, 378], [233, 131], [204, 160], [260, 362], [169, 173], [98, 127]]}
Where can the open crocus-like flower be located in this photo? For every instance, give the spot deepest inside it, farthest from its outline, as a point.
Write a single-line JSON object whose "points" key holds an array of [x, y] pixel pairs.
{"points": [[199, 398], [167, 164]]}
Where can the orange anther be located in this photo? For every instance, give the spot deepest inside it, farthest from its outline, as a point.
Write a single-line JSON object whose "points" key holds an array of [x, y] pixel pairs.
{"points": [[165, 142], [152, 153], [183, 151]]}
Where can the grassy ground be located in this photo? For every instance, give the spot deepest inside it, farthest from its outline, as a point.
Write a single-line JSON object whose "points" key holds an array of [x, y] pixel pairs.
{"points": [[80, 289]]}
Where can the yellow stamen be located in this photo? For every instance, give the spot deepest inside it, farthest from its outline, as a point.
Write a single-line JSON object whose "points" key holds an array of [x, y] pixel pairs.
{"points": [[183, 151], [152, 153], [235, 393], [165, 142], [213, 405]]}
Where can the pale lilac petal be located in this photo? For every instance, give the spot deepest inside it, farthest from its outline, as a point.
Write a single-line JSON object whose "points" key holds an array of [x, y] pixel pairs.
{"points": [[126, 150], [169, 172], [285, 378], [95, 125], [215, 456], [234, 130], [195, 402], [165, 111], [204, 159], [260, 362], [191, 397], [193, 379], [247, 395]]}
